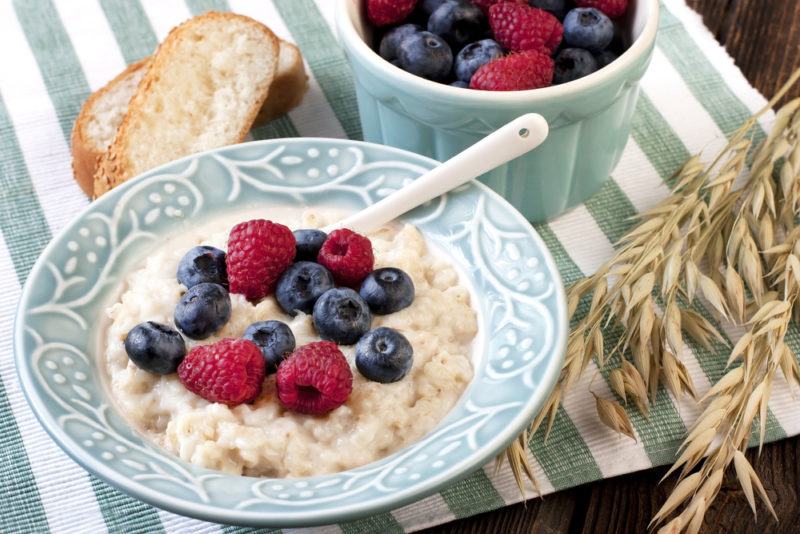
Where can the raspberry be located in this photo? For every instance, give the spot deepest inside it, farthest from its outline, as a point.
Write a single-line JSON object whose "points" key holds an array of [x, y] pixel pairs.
{"points": [[229, 371], [385, 12], [520, 27], [515, 72], [486, 4], [258, 253], [348, 256], [314, 379], [613, 8]]}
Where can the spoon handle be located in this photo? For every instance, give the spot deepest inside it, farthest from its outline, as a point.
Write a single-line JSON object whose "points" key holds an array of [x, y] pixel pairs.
{"points": [[506, 143]]}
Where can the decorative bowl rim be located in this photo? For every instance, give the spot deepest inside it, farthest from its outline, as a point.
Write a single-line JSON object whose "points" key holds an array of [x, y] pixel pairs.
{"points": [[345, 26], [290, 518]]}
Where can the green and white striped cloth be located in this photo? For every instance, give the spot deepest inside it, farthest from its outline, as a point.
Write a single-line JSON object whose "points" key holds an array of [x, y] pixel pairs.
{"points": [[53, 53]]}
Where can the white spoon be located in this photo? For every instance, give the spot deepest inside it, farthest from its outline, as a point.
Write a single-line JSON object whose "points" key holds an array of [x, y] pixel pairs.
{"points": [[506, 143]]}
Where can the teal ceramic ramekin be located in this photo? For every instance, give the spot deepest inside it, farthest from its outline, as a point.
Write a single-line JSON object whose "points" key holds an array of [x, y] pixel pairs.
{"points": [[589, 118]]}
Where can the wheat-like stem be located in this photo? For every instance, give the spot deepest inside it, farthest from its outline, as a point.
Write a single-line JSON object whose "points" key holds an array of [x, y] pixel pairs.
{"points": [[765, 216], [738, 252], [654, 262]]}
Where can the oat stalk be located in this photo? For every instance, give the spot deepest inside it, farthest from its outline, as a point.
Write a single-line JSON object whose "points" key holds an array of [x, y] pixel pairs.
{"points": [[762, 248], [710, 252]]}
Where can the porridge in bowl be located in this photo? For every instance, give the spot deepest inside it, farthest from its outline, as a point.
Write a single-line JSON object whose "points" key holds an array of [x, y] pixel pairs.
{"points": [[402, 361]]}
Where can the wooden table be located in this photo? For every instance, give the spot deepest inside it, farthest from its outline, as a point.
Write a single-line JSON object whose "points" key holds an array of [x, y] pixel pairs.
{"points": [[764, 38]]}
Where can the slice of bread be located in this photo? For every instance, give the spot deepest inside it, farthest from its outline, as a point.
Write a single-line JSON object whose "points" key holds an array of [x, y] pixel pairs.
{"points": [[202, 89], [289, 86], [98, 120], [101, 114]]}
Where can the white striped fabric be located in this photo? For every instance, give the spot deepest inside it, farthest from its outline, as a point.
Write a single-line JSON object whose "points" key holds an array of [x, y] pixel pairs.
{"points": [[44, 148], [51, 468], [313, 117], [93, 39], [684, 111], [57, 51], [165, 15]]}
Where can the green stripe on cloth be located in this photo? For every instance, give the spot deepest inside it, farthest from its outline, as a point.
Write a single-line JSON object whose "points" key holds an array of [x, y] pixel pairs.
{"points": [[228, 529], [25, 233], [22, 220], [575, 465], [663, 430], [16, 478], [58, 63], [123, 514], [713, 367], [704, 81], [198, 7], [728, 112], [613, 211], [567, 460], [326, 59], [276, 128], [661, 433], [382, 523], [655, 137], [473, 495], [793, 340], [67, 88], [569, 271], [135, 36], [668, 152], [567, 466]]}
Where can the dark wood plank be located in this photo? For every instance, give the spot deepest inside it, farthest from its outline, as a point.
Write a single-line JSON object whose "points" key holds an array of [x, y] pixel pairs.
{"points": [[552, 514], [626, 504], [763, 36], [716, 13], [556, 513]]}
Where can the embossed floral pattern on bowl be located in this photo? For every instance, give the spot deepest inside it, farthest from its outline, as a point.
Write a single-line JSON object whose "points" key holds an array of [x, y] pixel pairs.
{"points": [[520, 305]]}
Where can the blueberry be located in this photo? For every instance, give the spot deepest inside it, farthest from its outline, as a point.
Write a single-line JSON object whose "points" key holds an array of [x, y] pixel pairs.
{"points": [[458, 23], [473, 56], [155, 347], [425, 54], [573, 63], [459, 83], [604, 58], [558, 8], [429, 6], [384, 355], [387, 290], [588, 28], [301, 285], [308, 244], [203, 310], [341, 315], [275, 340], [391, 40], [202, 264]]}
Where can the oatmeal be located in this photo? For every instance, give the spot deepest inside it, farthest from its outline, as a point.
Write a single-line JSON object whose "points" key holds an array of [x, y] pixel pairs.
{"points": [[264, 438]]}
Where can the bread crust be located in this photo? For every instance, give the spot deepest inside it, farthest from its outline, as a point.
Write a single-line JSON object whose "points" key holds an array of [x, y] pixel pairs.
{"points": [[286, 92], [84, 155], [114, 167], [287, 89]]}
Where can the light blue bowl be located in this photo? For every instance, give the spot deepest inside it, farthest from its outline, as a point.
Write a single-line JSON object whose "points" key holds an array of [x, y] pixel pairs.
{"points": [[520, 304], [589, 119]]}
